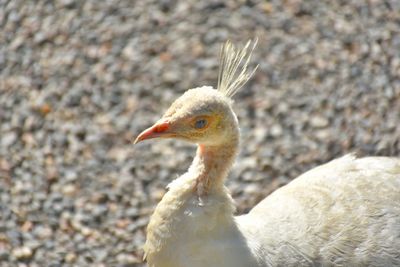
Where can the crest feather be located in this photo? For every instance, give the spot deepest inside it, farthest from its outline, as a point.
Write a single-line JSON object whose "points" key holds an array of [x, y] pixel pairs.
{"points": [[231, 78]]}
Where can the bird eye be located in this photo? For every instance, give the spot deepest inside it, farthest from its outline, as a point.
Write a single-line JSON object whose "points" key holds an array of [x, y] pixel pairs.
{"points": [[200, 124]]}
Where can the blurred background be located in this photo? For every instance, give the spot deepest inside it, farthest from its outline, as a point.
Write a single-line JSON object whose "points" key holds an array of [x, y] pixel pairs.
{"points": [[80, 79]]}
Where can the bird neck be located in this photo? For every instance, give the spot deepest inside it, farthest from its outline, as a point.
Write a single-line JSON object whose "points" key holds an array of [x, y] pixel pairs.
{"points": [[211, 165], [196, 206]]}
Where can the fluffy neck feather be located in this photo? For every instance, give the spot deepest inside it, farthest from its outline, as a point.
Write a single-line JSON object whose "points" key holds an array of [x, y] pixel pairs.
{"points": [[197, 205]]}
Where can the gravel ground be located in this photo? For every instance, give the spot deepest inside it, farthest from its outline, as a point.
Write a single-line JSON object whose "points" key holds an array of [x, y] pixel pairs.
{"points": [[79, 79]]}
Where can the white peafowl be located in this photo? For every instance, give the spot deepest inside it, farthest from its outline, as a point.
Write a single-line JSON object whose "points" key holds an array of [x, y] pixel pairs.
{"points": [[343, 213]]}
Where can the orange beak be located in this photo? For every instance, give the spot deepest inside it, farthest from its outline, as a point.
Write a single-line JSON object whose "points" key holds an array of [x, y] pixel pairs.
{"points": [[159, 129]]}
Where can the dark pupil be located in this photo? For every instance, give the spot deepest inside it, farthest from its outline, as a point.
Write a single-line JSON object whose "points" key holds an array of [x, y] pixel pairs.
{"points": [[200, 124]]}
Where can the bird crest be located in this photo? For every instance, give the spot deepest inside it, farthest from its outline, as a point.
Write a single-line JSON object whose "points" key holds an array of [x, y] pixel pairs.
{"points": [[231, 77]]}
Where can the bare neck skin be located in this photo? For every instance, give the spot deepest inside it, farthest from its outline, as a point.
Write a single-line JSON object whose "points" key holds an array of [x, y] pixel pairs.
{"points": [[211, 165]]}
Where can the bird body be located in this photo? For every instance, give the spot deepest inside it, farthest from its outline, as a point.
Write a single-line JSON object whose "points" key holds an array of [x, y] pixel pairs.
{"points": [[343, 213]]}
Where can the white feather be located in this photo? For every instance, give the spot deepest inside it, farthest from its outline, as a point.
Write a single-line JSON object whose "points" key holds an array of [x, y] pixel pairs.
{"points": [[231, 78]]}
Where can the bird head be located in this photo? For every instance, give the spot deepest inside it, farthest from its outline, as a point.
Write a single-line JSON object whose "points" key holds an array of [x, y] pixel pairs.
{"points": [[204, 115]]}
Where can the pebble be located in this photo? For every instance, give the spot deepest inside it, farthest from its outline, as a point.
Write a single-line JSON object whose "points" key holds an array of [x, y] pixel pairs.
{"points": [[319, 122], [4, 255], [70, 257], [69, 190], [8, 139], [157, 194], [22, 253], [276, 130], [251, 189], [127, 259]]}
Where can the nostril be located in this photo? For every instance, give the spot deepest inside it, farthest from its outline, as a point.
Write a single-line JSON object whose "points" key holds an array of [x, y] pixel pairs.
{"points": [[162, 127]]}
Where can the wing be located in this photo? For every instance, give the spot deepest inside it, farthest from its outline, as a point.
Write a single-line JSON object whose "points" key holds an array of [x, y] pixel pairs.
{"points": [[344, 212]]}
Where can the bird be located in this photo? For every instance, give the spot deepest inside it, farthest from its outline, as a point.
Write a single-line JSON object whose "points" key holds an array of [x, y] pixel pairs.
{"points": [[343, 213]]}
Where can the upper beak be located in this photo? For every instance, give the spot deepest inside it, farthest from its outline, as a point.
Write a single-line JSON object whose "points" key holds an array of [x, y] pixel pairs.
{"points": [[159, 129]]}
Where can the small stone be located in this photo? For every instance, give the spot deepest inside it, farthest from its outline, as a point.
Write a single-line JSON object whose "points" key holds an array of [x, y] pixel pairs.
{"points": [[45, 109], [260, 134], [43, 232], [99, 211], [51, 174], [4, 165], [165, 57], [170, 77], [86, 231], [129, 52], [70, 257], [68, 3], [251, 189], [267, 7], [127, 259], [69, 190], [248, 163], [8, 139], [122, 223], [27, 226], [4, 255], [22, 253], [28, 139], [323, 134], [157, 194], [71, 175], [132, 212], [276, 130], [319, 122], [118, 154]]}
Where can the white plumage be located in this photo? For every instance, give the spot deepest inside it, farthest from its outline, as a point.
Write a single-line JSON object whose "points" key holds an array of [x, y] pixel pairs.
{"points": [[343, 213]]}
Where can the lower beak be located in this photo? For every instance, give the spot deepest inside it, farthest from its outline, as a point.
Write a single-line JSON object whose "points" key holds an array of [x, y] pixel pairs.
{"points": [[160, 129]]}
